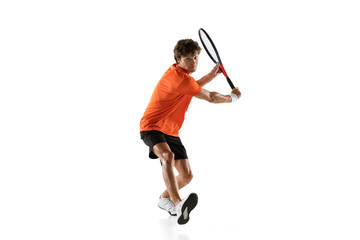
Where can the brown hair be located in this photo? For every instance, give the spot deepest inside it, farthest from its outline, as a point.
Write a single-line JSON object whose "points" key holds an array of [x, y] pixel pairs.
{"points": [[184, 47]]}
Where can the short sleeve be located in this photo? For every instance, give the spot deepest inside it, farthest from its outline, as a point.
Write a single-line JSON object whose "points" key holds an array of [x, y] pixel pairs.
{"points": [[189, 86]]}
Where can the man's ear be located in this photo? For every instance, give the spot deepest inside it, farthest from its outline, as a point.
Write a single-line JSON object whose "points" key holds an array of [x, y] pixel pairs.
{"points": [[177, 60]]}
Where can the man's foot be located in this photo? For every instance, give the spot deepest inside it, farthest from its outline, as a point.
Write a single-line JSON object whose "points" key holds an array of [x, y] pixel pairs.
{"points": [[167, 205], [184, 208]]}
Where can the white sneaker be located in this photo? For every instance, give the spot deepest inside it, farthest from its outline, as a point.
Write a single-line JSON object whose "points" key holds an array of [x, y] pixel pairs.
{"points": [[167, 205], [184, 208]]}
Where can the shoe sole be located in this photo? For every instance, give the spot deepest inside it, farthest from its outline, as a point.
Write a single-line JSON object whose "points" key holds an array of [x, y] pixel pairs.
{"points": [[172, 214], [187, 207]]}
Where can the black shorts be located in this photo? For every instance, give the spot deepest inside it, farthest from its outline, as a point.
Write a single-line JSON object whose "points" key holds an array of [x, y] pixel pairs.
{"points": [[151, 138]]}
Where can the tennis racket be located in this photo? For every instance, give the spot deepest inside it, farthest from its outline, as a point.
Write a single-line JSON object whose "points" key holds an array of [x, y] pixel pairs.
{"points": [[213, 53]]}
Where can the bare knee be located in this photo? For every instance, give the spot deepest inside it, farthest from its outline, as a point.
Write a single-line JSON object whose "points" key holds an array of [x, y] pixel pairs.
{"points": [[187, 176], [168, 159]]}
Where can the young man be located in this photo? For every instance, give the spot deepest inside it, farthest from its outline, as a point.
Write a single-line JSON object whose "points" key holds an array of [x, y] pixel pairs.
{"points": [[163, 118]]}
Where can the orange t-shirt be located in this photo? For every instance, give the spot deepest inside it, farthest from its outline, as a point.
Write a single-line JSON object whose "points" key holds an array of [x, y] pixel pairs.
{"points": [[169, 102]]}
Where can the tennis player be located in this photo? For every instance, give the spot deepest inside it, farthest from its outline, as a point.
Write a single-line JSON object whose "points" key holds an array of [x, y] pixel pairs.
{"points": [[163, 118]]}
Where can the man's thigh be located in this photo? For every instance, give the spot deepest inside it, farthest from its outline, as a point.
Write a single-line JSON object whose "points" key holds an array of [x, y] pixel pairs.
{"points": [[183, 166], [160, 148]]}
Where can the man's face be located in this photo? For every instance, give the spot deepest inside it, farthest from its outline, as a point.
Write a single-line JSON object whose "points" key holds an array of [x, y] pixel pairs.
{"points": [[189, 62]]}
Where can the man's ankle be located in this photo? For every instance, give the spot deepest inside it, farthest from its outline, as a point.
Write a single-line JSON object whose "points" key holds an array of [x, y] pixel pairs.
{"points": [[165, 195]]}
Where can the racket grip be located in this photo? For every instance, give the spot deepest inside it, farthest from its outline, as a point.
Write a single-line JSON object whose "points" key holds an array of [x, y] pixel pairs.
{"points": [[230, 83]]}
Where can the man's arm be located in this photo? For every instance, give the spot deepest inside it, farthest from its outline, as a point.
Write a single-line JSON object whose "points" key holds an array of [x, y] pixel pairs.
{"points": [[215, 97], [210, 76]]}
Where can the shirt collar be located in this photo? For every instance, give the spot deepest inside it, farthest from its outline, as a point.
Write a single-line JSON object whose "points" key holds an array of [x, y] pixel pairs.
{"points": [[180, 68]]}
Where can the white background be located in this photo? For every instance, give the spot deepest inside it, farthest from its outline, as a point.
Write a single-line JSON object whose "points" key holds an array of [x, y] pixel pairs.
{"points": [[281, 163]]}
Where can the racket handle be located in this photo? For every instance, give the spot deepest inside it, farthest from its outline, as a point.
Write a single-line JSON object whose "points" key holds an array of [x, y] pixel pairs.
{"points": [[227, 78], [230, 83]]}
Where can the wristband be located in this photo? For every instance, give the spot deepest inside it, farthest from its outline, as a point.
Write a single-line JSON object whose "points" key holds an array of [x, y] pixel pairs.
{"points": [[234, 98]]}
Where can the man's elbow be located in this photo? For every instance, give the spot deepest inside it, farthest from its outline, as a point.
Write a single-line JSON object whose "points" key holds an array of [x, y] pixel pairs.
{"points": [[212, 97]]}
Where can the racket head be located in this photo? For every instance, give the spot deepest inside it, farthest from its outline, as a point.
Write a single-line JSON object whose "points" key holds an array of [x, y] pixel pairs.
{"points": [[209, 46]]}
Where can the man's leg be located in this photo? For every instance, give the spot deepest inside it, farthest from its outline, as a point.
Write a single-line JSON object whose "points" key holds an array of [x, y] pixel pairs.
{"points": [[185, 175], [163, 151]]}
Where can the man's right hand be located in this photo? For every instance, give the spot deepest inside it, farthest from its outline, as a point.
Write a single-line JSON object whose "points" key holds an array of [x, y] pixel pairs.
{"points": [[236, 92]]}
